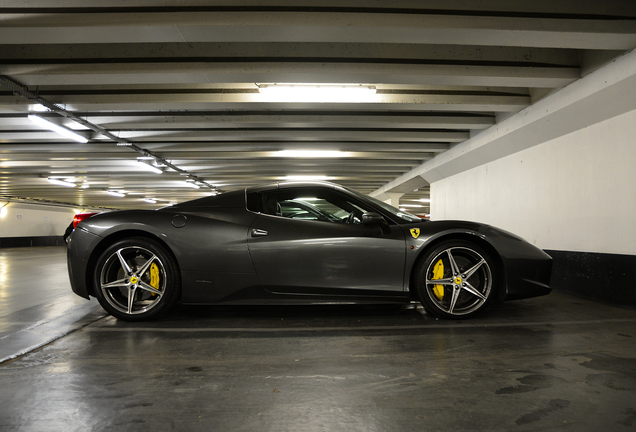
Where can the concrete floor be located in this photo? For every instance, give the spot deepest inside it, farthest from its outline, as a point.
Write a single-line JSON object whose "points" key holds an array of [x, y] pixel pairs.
{"points": [[551, 363]]}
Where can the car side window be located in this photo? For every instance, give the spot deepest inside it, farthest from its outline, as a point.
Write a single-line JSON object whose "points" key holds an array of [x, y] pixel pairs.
{"points": [[321, 205]]}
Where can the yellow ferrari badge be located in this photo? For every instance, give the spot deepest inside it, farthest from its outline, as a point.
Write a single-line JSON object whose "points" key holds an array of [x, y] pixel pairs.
{"points": [[415, 232]]}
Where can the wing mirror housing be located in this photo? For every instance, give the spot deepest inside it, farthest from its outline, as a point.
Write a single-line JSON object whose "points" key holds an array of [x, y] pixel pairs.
{"points": [[372, 219]]}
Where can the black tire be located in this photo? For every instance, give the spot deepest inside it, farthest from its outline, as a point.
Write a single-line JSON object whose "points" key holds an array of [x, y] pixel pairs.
{"points": [[461, 286], [137, 279]]}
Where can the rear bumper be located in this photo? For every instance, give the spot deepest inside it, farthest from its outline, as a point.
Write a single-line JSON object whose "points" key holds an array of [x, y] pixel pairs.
{"points": [[78, 252]]}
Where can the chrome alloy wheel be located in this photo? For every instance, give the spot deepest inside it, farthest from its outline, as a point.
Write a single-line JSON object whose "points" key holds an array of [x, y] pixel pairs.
{"points": [[458, 281], [133, 280]]}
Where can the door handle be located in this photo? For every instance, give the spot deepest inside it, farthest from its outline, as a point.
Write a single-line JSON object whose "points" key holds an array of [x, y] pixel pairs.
{"points": [[258, 233]]}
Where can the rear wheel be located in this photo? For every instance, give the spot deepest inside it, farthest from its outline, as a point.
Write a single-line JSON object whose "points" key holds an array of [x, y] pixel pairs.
{"points": [[136, 279], [455, 280]]}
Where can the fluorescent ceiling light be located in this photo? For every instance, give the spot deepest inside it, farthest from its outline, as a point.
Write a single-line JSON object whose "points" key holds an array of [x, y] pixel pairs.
{"points": [[56, 128], [306, 178], [192, 185], [412, 205], [317, 92], [61, 182], [312, 153], [425, 200], [149, 167], [115, 193], [150, 200]]}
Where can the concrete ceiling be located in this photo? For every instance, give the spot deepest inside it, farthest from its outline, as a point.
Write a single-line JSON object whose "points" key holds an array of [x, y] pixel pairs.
{"points": [[181, 84]]}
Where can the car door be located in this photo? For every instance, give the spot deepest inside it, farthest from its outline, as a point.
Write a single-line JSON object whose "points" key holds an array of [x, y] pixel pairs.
{"points": [[305, 249]]}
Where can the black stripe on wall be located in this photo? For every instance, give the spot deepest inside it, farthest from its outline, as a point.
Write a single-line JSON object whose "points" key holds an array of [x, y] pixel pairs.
{"points": [[603, 277], [10, 242]]}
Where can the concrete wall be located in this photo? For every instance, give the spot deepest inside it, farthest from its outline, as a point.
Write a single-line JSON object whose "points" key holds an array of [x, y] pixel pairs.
{"points": [[31, 220], [573, 196], [574, 193], [26, 224]]}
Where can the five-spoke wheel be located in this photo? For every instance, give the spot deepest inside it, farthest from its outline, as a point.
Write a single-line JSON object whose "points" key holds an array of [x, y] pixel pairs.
{"points": [[455, 279], [136, 279]]}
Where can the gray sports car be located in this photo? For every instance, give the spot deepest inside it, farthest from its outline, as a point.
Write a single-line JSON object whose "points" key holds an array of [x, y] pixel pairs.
{"points": [[296, 243]]}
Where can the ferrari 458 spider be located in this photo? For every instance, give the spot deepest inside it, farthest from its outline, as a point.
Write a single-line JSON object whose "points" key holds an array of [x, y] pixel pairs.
{"points": [[296, 243]]}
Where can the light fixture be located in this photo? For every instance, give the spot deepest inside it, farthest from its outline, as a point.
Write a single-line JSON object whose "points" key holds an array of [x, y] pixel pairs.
{"points": [[148, 167], [306, 178], [61, 182], [425, 200], [59, 129], [115, 193], [150, 200], [317, 92], [191, 184], [311, 153], [412, 205]]}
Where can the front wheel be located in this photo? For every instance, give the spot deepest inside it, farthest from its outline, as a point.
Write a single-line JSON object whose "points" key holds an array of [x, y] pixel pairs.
{"points": [[136, 279], [455, 280]]}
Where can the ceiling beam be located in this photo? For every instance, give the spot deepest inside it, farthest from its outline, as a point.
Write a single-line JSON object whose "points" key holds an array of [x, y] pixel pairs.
{"points": [[265, 119], [292, 72], [319, 26], [572, 108], [290, 52]]}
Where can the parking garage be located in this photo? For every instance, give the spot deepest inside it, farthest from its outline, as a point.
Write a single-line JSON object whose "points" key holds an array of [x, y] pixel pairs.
{"points": [[520, 116]]}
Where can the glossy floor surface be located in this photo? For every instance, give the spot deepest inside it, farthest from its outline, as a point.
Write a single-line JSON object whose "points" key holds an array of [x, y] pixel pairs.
{"points": [[551, 363]]}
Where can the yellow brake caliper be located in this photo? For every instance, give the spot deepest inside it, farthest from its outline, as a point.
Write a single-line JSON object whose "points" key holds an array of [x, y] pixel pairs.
{"points": [[438, 273], [154, 276]]}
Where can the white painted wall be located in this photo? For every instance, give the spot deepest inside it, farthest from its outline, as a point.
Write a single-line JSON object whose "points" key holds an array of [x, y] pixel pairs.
{"points": [[34, 220], [576, 192]]}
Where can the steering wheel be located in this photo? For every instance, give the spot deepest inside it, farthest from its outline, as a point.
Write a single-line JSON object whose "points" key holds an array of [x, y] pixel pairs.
{"points": [[351, 218]]}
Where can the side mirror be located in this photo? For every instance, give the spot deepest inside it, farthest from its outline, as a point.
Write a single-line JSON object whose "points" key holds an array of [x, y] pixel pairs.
{"points": [[373, 219]]}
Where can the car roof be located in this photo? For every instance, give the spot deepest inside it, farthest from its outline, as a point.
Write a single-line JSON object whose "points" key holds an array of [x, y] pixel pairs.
{"points": [[237, 198], [288, 185]]}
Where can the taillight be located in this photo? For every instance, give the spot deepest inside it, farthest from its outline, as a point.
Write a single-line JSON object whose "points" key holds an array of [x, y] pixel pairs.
{"points": [[80, 217]]}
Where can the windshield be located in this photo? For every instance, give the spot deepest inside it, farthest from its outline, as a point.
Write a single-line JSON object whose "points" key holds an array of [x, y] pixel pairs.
{"points": [[401, 215]]}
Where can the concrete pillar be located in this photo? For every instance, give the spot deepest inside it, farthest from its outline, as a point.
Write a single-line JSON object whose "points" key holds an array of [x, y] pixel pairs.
{"points": [[394, 198]]}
